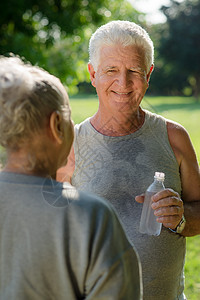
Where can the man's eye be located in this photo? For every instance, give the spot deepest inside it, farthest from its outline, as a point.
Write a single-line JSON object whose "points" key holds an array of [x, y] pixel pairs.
{"points": [[137, 73], [134, 71], [111, 71]]}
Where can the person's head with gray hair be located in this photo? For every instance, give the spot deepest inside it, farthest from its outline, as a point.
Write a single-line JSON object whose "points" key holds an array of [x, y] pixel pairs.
{"points": [[34, 109], [123, 33]]}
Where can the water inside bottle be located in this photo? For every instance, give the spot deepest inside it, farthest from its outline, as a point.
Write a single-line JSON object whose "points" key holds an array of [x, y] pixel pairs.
{"points": [[148, 223]]}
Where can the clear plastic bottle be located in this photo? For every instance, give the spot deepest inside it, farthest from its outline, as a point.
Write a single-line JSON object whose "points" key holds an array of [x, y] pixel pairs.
{"points": [[148, 223]]}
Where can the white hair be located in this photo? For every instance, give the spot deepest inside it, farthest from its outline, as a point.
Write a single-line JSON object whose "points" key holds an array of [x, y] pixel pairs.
{"points": [[123, 33], [28, 96]]}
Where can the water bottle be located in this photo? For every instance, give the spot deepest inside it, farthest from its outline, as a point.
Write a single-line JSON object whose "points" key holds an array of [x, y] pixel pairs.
{"points": [[148, 223]]}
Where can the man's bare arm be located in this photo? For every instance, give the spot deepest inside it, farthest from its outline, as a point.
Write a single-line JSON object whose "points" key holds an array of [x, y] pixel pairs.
{"points": [[65, 173], [190, 177]]}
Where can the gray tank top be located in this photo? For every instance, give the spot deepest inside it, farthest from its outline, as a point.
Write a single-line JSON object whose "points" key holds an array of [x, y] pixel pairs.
{"points": [[118, 169]]}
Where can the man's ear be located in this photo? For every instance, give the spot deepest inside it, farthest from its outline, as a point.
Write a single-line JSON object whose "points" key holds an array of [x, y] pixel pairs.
{"points": [[149, 74], [56, 126], [92, 74]]}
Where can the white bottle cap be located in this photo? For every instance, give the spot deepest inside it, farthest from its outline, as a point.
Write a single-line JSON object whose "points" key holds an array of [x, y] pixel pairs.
{"points": [[159, 176]]}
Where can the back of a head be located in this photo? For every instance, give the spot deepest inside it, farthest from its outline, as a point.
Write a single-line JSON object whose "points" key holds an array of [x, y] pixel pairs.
{"points": [[28, 95], [123, 33]]}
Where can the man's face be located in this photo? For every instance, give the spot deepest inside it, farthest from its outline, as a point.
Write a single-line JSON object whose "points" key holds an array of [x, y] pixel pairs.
{"points": [[121, 79]]}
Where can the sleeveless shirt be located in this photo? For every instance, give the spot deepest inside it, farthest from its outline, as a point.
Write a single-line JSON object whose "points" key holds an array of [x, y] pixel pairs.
{"points": [[118, 169]]}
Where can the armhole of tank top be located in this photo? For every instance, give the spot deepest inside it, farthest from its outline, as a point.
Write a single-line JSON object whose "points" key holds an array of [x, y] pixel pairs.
{"points": [[162, 123], [169, 145]]}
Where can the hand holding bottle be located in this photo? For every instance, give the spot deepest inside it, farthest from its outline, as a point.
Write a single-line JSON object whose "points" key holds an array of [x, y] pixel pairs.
{"points": [[148, 222], [167, 206]]}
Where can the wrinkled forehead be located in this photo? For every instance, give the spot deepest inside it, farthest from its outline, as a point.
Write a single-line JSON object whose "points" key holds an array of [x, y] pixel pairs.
{"points": [[115, 55]]}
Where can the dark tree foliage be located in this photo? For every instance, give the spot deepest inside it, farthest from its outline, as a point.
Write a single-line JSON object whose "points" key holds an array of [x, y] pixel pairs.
{"points": [[55, 33], [179, 46]]}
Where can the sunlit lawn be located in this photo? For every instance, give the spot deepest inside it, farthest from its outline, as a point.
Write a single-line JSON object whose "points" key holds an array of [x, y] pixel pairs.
{"points": [[186, 112]]}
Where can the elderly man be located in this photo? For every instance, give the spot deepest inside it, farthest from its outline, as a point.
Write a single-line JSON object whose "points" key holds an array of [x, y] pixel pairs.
{"points": [[56, 243], [117, 151]]}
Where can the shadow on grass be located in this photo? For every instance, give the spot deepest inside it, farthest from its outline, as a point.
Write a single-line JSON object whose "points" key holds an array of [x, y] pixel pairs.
{"points": [[171, 104]]}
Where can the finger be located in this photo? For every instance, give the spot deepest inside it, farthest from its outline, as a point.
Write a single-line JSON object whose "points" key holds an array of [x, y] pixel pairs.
{"points": [[169, 211], [169, 201], [140, 198], [169, 221], [164, 194]]}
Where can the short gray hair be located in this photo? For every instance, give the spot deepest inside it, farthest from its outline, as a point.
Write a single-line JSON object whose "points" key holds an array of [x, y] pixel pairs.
{"points": [[28, 96], [123, 33]]}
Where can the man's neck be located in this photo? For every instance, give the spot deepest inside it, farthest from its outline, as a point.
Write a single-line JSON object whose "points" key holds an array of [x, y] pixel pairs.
{"points": [[24, 163], [118, 124]]}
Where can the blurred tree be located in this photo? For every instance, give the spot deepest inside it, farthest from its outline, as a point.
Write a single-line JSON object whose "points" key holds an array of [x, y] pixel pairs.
{"points": [[166, 79], [179, 46], [55, 33]]}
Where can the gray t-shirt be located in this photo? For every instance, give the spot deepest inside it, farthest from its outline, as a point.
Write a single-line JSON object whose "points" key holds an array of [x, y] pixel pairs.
{"points": [[118, 169], [58, 243]]}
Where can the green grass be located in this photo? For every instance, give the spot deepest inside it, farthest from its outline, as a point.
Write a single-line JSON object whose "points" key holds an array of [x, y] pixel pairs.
{"points": [[186, 112], [83, 108]]}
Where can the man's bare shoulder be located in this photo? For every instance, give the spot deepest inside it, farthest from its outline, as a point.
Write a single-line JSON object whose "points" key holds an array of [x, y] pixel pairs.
{"points": [[186, 157], [179, 140]]}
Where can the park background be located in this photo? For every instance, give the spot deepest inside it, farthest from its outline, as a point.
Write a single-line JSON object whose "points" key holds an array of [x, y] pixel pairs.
{"points": [[54, 34]]}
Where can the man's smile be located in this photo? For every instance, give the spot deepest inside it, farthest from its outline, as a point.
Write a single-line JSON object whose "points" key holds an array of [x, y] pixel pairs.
{"points": [[121, 93]]}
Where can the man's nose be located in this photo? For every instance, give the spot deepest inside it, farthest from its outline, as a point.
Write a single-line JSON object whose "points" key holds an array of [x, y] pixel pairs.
{"points": [[124, 79]]}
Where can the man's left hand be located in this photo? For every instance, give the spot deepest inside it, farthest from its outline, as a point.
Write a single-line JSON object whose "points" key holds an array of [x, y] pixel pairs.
{"points": [[168, 207]]}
